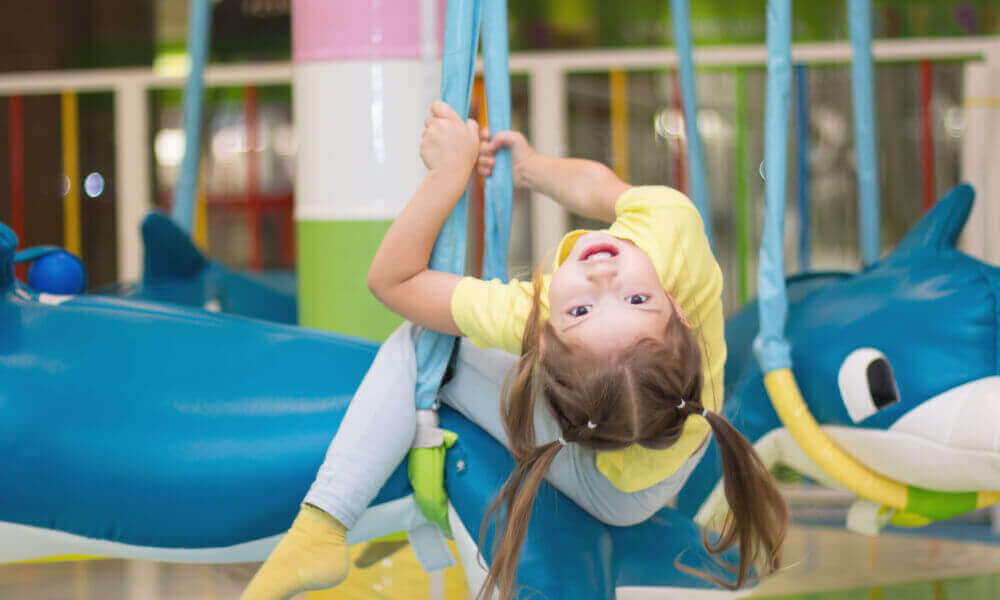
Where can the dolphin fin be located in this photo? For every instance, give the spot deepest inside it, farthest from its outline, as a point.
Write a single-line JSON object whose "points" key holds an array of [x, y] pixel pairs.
{"points": [[939, 229], [170, 253]]}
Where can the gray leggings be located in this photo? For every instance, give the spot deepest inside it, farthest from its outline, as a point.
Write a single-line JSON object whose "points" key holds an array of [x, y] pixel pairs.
{"points": [[378, 429]]}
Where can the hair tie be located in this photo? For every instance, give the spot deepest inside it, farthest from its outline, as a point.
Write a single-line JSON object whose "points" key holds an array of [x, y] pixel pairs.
{"points": [[591, 425], [681, 405], [562, 441]]}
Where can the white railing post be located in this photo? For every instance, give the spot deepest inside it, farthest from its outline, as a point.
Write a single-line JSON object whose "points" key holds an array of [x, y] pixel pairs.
{"points": [[132, 171], [549, 104], [981, 112]]}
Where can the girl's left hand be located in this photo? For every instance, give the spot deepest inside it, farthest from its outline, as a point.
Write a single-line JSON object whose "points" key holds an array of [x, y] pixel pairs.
{"points": [[448, 143]]}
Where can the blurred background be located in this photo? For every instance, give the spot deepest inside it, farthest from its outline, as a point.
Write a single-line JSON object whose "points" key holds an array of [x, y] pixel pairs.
{"points": [[611, 101]]}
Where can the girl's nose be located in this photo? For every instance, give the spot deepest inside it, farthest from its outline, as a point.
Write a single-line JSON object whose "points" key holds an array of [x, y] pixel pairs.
{"points": [[602, 273]]}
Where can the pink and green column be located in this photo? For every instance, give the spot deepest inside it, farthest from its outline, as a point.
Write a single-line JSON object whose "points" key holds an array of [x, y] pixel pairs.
{"points": [[363, 76]]}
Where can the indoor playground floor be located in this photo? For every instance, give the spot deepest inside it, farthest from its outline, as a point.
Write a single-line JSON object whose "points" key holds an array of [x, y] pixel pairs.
{"points": [[820, 563]]}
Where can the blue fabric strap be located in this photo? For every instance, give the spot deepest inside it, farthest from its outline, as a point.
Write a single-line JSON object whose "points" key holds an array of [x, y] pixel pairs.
{"points": [[865, 133], [696, 157], [200, 19], [770, 347], [458, 64], [802, 145], [499, 185], [462, 24]]}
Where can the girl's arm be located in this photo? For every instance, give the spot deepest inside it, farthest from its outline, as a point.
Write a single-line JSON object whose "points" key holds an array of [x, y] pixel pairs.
{"points": [[398, 275], [585, 187]]}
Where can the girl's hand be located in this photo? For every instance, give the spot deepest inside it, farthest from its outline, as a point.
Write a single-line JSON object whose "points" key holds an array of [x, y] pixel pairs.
{"points": [[448, 142], [520, 153]]}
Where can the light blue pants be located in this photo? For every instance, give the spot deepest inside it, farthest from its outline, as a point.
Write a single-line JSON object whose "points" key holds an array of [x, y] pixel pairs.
{"points": [[378, 428]]}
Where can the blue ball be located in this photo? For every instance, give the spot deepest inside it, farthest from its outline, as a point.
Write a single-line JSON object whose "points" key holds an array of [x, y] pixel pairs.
{"points": [[58, 273]]}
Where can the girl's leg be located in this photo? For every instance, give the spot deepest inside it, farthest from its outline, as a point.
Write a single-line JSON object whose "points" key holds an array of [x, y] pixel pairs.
{"points": [[375, 434], [475, 392], [373, 438]]}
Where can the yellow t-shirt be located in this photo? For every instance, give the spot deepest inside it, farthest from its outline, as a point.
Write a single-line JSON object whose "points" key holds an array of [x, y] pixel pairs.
{"points": [[664, 224]]}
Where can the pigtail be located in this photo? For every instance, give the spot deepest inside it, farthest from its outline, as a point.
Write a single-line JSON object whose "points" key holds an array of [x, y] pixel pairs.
{"points": [[517, 497], [758, 517]]}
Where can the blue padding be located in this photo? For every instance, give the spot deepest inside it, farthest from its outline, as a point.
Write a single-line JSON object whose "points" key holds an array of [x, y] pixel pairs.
{"points": [[499, 191], [200, 25], [802, 174], [770, 347], [458, 64], [696, 157], [859, 13]]}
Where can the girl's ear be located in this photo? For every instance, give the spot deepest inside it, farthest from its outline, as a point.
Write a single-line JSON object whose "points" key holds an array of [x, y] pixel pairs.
{"points": [[678, 311]]}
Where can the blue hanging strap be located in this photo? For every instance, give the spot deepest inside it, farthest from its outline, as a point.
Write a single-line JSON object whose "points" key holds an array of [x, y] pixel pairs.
{"points": [[770, 346], [200, 24], [458, 64], [696, 159], [499, 190], [802, 145], [859, 13]]}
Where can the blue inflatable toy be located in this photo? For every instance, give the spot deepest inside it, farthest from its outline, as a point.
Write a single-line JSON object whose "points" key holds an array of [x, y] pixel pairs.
{"points": [[897, 363], [176, 272]]}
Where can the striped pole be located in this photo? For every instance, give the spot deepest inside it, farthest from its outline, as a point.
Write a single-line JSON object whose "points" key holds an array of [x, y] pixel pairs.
{"points": [[802, 162], [927, 132], [359, 92], [71, 172], [742, 193], [618, 84], [15, 149]]}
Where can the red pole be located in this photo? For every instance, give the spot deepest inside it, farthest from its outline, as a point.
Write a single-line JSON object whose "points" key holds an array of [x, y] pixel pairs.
{"points": [[250, 107], [15, 143], [927, 132], [680, 162]]}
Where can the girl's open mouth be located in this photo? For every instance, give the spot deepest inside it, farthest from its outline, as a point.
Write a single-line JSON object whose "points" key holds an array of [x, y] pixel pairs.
{"points": [[598, 251]]}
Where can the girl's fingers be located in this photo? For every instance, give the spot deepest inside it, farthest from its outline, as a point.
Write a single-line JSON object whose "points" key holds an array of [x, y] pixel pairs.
{"points": [[442, 110]]}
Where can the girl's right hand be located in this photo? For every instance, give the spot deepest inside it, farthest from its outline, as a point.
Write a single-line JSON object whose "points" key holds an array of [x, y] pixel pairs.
{"points": [[520, 152]]}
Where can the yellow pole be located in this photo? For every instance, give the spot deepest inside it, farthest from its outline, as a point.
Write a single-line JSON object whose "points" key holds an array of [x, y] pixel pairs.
{"points": [[201, 211], [619, 123], [71, 170]]}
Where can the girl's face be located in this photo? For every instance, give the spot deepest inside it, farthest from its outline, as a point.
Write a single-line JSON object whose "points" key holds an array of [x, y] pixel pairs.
{"points": [[606, 295]]}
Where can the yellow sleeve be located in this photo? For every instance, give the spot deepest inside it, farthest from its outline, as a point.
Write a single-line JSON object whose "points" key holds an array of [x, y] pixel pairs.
{"points": [[665, 225], [492, 314]]}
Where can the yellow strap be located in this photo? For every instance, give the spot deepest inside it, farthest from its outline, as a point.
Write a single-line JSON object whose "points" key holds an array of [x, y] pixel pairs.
{"points": [[847, 471]]}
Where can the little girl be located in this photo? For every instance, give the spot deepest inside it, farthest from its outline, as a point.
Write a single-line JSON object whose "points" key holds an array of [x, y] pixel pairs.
{"points": [[617, 384]]}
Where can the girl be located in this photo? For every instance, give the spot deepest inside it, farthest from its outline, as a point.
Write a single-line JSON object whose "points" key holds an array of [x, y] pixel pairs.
{"points": [[611, 398]]}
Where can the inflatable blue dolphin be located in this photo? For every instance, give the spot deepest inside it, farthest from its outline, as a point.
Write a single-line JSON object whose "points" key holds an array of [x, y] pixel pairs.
{"points": [[897, 363], [142, 430], [176, 272]]}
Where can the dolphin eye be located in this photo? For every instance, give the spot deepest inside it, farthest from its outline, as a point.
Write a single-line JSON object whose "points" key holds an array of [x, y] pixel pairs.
{"points": [[867, 383]]}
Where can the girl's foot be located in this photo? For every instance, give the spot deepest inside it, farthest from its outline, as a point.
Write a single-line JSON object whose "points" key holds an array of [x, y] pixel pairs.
{"points": [[313, 555]]}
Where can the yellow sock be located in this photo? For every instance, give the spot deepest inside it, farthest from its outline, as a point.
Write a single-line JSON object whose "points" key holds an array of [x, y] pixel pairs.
{"points": [[313, 555]]}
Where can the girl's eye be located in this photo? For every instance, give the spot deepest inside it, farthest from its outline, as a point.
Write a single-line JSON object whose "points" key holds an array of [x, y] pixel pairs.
{"points": [[637, 299], [579, 311]]}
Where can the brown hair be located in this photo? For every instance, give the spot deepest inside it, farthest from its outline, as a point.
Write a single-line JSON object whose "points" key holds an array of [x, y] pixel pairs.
{"points": [[632, 398]]}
